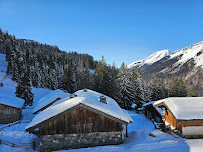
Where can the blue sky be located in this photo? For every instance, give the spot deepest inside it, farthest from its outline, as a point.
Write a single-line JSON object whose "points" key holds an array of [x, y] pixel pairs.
{"points": [[120, 30]]}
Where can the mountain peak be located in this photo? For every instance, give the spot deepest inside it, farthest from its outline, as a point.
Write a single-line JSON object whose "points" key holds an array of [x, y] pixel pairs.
{"points": [[194, 52], [151, 59]]}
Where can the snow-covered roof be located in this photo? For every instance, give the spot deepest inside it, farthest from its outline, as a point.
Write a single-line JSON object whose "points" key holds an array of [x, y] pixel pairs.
{"points": [[151, 103], [183, 108], [133, 105], [90, 99], [8, 100], [48, 99], [140, 109], [129, 117]]}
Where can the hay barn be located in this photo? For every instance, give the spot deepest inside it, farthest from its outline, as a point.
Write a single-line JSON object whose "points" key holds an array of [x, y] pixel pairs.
{"points": [[89, 119]]}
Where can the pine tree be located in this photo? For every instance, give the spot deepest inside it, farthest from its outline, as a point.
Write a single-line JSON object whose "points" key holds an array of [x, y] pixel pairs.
{"points": [[192, 92], [101, 78], [126, 87], [113, 87], [142, 91], [69, 81], [159, 90], [24, 90], [85, 76], [177, 88]]}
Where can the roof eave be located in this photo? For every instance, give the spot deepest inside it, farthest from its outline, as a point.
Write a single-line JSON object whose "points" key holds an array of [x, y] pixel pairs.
{"points": [[11, 106]]}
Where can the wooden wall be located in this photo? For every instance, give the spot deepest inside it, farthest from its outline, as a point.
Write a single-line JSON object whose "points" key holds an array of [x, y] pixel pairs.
{"points": [[79, 120], [179, 124], [152, 113], [9, 114]]}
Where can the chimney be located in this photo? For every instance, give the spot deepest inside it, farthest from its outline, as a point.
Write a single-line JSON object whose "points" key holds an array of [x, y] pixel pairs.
{"points": [[85, 90], [103, 99]]}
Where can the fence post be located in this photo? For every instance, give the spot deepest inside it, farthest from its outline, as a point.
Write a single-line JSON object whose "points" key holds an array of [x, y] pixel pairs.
{"points": [[33, 145]]}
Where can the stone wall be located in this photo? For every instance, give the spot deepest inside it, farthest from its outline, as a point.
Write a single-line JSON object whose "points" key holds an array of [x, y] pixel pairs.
{"points": [[67, 141]]}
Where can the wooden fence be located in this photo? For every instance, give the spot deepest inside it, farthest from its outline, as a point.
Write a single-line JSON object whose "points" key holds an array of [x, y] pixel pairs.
{"points": [[8, 125], [25, 145]]}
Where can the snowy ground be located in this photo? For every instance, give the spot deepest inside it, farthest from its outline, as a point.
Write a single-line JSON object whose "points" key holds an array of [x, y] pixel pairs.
{"points": [[139, 139]]}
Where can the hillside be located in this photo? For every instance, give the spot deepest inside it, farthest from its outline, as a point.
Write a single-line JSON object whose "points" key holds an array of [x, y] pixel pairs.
{"points": [[46, 66], [186, 63], [151, 59], [9, 86]]}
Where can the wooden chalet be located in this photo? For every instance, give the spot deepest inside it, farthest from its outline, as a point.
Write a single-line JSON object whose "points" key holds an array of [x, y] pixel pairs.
{"points": [[50, 99], [153, 113], [183, 114], [10, 109], [94, 118]]}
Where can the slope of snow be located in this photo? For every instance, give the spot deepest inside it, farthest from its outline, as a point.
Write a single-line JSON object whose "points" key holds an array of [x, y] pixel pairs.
{"points": [[9, 85], [5, 79], [151, 59], [16, 134], [16, 102], [46, 100], [3, 63], [89, 98], [184, 108], [195, 51]]}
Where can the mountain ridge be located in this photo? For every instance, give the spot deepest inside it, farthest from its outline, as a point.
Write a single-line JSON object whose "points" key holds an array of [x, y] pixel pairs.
{"points": [[156, 56], [186, 63]]}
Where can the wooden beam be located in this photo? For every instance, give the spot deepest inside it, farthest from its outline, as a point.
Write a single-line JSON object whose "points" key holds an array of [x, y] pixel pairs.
{"points": [[126, 130]]}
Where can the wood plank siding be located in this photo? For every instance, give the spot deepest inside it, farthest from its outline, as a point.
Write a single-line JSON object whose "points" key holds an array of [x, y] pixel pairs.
{"points": [[9, 114], [183, 123], [79, 120], [152, 113]]}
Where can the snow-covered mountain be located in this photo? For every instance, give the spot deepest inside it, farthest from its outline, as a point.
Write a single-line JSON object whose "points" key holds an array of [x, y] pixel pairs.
{"points": [[194, 52], [186, 63], [151, 59]]}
